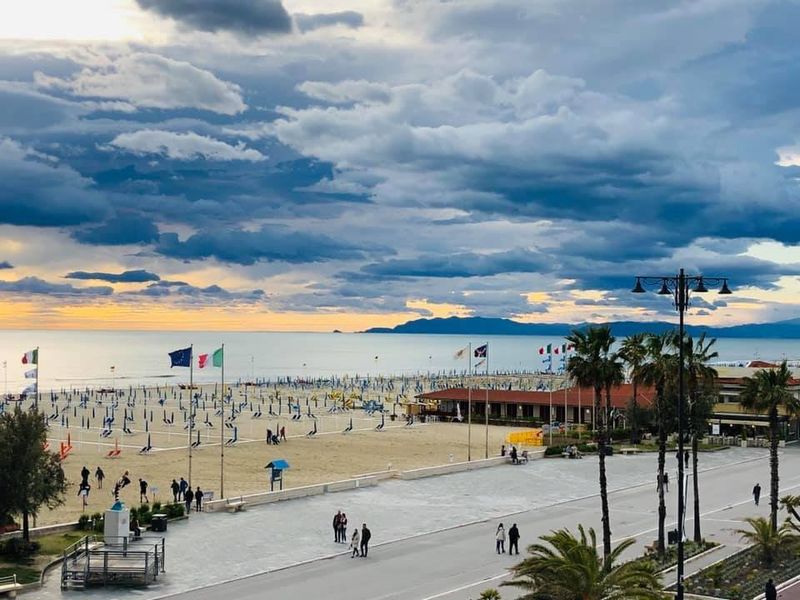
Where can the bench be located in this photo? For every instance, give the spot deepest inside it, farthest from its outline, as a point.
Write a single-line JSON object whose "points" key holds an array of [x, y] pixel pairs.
{"points": [[9, 585], [235, 505], [630, 451]]}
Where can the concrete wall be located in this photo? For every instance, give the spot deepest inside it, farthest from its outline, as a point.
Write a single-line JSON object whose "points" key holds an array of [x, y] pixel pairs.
{"points": [[464, 466], [292, 493]]}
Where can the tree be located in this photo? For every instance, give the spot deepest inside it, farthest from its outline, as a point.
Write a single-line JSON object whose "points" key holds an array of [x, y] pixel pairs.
{"points": [[768, 392], [569, 567], [770, 542], [634, 352], [30, 477], [660, 371], [591, 366], [700, 385]]}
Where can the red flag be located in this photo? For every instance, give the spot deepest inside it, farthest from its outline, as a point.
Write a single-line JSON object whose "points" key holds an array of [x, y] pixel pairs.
{"points": [[541, 350], [203, 359]]}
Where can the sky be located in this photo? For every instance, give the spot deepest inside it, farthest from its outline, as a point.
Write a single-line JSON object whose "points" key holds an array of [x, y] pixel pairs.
{"points": [[308, 165]]}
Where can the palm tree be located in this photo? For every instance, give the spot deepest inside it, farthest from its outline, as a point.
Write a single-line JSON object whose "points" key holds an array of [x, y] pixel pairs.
{"points": [[768, 392], [570, 567], [769, 541], [634, 353], [700, 385], [589, 367], [659, 372]]}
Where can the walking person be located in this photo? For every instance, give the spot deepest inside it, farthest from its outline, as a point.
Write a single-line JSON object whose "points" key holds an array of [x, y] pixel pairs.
{"points": [[85, 475], [83, 492], [183, 485], [176, 488], [143, 490], [770, 593], [366, 534], [513, 540], [500, 539], [686, 459], [337, 518], [355, 543], [198, 499], [666, 482], [99, 475], [188, 496], [283, 433], [343, 528], [756, 493]]}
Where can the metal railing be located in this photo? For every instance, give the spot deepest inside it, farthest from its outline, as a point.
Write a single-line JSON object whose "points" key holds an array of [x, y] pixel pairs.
{"points": [[8, 580], [118, 560]]}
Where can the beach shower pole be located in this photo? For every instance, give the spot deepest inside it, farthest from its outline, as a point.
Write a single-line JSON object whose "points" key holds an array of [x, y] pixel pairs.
{"points": [[222, 431], [36, 397]]}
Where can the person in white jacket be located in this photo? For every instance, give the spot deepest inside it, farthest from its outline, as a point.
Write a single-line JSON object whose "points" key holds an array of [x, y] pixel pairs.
{"points": [[500, 538], [355, 543]]}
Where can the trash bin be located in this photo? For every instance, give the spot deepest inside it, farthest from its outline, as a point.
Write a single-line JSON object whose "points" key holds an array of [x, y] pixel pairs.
{"points": [[672, 537], [158, 522], [392, 417]]}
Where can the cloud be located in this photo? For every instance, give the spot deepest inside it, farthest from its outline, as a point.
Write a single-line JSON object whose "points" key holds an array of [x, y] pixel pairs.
{"points": [[4, 264], [462, 265], [38, 190], [119, 231], [34, 285], [347, 18], [151, 81], [183, 146], [269, 243], [25, 109], [210, 294], [245, 17], [137, 276], [343, 92]]}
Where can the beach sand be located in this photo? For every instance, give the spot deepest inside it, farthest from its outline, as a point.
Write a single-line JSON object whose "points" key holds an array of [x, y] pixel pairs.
{"points": [[330, 455]]}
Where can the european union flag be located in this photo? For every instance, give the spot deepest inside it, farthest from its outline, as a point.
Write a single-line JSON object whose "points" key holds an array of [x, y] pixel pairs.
{"points": [[181, 358]]}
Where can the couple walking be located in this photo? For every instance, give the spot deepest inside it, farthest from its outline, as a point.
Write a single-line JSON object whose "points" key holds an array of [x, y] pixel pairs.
{"points": [[360, 542], [513, 539]]}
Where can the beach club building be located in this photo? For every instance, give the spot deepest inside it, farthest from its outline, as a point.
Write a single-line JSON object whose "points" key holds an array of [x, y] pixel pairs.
{"points": [[571, 405]]}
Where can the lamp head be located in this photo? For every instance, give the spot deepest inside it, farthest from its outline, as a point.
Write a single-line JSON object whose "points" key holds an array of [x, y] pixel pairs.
{"points": [[664, 291], [638, 289], [700, 287], [725, 289]]}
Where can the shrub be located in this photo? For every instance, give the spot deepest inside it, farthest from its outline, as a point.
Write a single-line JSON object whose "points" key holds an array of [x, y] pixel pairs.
{"points": [[83, 522], [144, 508], [173, 511], [156, 507], [553, 450], [97, 522], [584, 448], [16, 549]]}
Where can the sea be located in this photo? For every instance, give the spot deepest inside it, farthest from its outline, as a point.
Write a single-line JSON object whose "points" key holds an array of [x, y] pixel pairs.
{"points": [[80, 359]]}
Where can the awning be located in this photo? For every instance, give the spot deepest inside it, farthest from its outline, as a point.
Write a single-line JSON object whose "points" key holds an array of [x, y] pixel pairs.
{"points": [[279, 464]]}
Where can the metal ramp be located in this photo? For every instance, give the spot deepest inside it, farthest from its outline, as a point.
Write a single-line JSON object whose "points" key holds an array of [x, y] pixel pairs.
{"points": [[115, 561]]}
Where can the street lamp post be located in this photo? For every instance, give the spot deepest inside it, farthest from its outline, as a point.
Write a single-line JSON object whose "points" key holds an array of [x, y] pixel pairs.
{"points": [[678, 288]]}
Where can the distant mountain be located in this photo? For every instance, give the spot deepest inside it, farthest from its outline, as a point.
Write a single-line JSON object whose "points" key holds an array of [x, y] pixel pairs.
{"points": [[485, 326]]}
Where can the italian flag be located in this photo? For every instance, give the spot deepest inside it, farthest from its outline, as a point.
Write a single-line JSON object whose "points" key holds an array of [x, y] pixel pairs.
{"points": [[546, 349], [218, 357], [31, 357]]}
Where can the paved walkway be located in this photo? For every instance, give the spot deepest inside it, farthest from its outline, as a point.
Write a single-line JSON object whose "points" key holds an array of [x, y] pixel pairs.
{"points": [[454, 564]]}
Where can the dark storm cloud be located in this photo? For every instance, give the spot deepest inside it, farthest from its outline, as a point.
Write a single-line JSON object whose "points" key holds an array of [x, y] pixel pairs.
{"points": [[246, 17], [269, 243], [34, 285], [137, 276], [348, 18], [119, 231], [184, 291], [461, 265]]}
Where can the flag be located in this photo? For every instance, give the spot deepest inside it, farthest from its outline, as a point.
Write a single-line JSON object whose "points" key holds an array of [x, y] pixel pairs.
{"points": [[31, 357], [30, 374], [546, 349], [31, 389], [461, 353], [482, 351], [202, 360], [181, 358], [557, 350], [480, 363], [218, 357]]}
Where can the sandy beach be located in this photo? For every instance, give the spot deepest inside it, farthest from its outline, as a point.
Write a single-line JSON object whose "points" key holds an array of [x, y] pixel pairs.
{"points": [[81, 418]]}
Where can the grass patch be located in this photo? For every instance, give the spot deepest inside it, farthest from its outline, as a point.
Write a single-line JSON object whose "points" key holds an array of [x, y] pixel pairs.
{"points": [[670, 558], [54, 544], [24, 574], [741, 576]]}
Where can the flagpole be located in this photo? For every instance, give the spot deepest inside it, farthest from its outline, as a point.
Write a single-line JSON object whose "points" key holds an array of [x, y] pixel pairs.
{"points": [[550, 410], [469, 403], [486, 455], [222, 430], [36, 397], [191, 416]]}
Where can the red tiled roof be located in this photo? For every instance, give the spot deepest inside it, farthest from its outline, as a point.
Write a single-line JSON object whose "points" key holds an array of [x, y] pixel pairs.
{"points": [[620, 396]]}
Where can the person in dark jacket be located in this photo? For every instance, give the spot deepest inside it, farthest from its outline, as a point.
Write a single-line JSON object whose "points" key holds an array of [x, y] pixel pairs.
{"points": [[183, 486], [143, 490], [99, 475], [343, 528], [198, 499], [513, 540], [337, 518], [756, 492], [176, 488], [366, 534], [85, 475], [770, 593], [188, 496]]}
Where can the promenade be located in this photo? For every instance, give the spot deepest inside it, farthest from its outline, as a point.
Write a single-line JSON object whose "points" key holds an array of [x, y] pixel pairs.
{"points": [[434, 538]]}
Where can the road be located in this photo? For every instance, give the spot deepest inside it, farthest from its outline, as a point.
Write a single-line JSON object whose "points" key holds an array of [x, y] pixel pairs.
{"points": [[457, 564]]}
